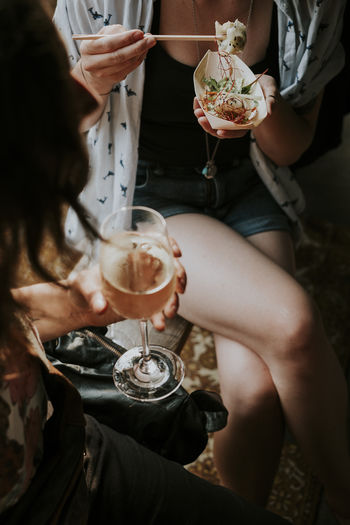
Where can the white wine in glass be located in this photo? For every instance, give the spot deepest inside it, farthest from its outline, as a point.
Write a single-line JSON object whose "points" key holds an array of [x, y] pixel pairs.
{"points": [[138, 276]]}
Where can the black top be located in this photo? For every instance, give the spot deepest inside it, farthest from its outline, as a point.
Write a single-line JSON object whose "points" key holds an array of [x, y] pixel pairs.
{"points": [[170, 133]]}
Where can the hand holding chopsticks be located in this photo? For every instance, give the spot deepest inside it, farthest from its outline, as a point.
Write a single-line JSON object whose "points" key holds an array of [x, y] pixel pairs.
{"points": [[106, 62]]}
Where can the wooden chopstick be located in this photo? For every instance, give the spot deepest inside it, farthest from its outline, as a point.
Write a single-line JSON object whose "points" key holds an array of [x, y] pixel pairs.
{"points": [[157, 37]]}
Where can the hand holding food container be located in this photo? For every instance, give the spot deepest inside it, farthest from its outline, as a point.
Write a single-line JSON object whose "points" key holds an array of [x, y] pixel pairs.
{"points": [[226, 88]]}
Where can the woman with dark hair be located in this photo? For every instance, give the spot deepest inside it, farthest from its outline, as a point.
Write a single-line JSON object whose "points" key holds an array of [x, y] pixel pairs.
{"points": [[57, 466]]}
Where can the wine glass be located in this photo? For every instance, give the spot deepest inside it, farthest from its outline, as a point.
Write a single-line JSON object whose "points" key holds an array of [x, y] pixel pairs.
{"points": [[138, 279]]}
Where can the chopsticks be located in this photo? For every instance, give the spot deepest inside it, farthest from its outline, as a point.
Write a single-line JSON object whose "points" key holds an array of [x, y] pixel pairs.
{"points": [[157, 37]]}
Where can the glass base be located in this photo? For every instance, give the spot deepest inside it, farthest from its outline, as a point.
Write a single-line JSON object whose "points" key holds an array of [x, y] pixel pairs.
{"points": [[156, 379]]}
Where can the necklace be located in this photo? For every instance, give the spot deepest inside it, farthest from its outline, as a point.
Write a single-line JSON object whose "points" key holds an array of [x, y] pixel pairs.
{"points": [[209, 171]]}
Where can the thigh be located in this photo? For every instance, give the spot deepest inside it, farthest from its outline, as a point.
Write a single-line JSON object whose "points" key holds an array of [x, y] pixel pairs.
{"points": [[233, 288], [278, 246], [131, 484], [236, 362]]}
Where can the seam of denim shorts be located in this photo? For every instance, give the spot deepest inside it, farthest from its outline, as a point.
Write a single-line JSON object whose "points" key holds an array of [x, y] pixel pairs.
{"points": [[262, 224]]}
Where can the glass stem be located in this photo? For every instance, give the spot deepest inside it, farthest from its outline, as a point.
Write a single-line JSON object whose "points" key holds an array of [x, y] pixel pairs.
{"points": [[146, 354]]}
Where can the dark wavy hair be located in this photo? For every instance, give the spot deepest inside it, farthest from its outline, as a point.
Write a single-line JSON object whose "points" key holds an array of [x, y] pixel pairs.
{"points": [[43, 161]]}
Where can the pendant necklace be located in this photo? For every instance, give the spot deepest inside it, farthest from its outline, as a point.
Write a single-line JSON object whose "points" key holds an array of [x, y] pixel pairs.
{"points": [[210, 169]]}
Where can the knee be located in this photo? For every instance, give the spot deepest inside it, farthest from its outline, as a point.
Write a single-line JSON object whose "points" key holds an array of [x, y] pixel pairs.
{"points": [[297, 330], [259, 396], [251, 392]]}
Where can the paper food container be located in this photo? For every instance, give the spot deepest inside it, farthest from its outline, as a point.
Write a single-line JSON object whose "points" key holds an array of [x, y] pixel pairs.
{"points": [[216, 66]]}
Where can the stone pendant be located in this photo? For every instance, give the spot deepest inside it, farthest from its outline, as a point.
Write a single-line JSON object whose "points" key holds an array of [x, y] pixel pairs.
{"points": [[209, 170]]}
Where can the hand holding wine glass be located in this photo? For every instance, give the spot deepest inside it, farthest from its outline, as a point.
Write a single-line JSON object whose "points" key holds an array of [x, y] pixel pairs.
{"points": [[139, 277], [85, 290]]}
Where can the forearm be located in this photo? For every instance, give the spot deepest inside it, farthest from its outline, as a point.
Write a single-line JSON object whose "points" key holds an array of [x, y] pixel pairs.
{"points": [[285, 135], [51, 308]]}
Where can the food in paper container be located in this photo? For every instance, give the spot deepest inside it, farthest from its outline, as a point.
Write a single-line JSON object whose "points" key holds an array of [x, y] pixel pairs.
{"points": [[228, 92], [231, 36]]}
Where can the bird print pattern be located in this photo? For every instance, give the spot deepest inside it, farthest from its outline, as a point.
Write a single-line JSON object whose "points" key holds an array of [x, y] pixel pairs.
{"points": [[309, 58]]}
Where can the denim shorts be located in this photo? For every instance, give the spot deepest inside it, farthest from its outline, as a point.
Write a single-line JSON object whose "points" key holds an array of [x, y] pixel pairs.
{"points": [[236, 195]]}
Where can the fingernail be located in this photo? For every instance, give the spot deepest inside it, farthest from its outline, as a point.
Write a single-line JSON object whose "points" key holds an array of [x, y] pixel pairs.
{"points": [[138, 35]]}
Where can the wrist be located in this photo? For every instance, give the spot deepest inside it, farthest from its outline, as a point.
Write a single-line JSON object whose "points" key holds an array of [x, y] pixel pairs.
{"points": [[273, 100], [87, 83]]}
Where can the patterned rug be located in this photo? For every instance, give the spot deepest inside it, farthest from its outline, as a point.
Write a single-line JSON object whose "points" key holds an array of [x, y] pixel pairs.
{"points": [[323, 262]]}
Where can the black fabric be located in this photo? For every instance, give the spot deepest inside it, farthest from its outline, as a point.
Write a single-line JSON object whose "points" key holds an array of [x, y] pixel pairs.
{"points": [[176, 427], [169, 92], [119, 481], [148, 489]]}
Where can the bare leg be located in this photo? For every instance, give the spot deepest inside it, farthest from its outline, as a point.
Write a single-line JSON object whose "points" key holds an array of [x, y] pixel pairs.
{"points": [[247, 450], [237, 292]]}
